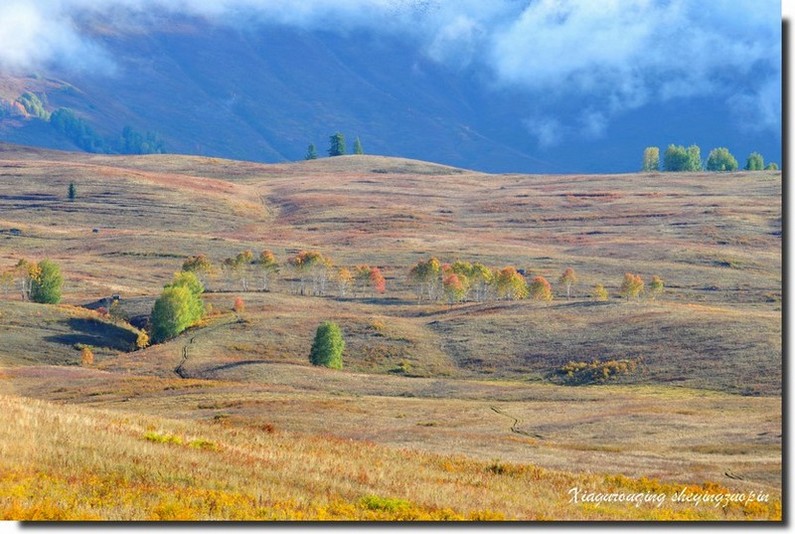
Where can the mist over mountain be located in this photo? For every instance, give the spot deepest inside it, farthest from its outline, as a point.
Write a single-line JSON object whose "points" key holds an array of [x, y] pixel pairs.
{"points": [[506, 86]]}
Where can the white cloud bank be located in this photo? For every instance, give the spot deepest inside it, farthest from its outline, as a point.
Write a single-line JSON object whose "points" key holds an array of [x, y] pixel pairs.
{"points": [[623, 54]]}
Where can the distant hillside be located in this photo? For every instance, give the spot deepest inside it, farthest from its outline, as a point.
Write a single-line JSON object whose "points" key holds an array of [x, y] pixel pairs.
{"points": [[265, 95]]}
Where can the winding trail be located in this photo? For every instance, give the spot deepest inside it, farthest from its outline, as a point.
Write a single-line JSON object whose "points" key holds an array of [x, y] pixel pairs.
{"points": [[515, 424], [179, 370]]}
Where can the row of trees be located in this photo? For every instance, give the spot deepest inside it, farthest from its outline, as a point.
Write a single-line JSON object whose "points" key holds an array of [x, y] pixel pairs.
{"points": [[677, 158], [461, 281], [312, 273], [336, 147]]}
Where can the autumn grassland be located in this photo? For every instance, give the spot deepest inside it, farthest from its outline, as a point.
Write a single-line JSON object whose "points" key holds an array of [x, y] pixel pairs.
{"points": [[442, 411]]}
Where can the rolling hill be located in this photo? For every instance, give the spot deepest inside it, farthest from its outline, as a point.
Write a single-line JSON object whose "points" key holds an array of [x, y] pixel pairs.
{"points": [[454, 390]]}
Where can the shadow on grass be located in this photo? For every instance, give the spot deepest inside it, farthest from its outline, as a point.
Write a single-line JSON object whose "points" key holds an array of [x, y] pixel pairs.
{"points": [[95, 333]]}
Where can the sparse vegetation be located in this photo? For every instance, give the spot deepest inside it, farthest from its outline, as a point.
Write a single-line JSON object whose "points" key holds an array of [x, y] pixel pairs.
{"points": [[438, 369]]}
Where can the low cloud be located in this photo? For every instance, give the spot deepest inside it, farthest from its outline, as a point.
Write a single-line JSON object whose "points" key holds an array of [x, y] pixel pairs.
{"points": [[621, 54]]}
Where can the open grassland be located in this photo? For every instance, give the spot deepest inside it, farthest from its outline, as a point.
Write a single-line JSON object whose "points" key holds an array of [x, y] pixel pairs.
{"points": [[67, 463], [477, 383]]}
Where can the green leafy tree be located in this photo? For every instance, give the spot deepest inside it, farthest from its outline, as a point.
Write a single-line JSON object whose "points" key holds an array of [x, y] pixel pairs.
{"points": [[72, 191], [188, 279], [46, 286], [336, 145], [651, 159], [721, 160], [34, 106], [174, 311], [771, 166], [357, 147], [693, 158], [311, 152], [675, 158], [77, 130], [178, 307], [680, 159], [328, 346], [755, 162]]}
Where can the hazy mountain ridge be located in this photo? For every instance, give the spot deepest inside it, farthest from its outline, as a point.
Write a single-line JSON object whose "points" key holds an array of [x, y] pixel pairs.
{"points": [[264, 95]]}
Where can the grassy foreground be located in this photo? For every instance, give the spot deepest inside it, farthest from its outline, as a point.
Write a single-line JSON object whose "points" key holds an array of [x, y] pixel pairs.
{"points": [[61, 462]]}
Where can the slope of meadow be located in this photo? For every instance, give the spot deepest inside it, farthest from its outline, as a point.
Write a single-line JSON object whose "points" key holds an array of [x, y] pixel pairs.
{"points": [[479, 381], [72, 463]]}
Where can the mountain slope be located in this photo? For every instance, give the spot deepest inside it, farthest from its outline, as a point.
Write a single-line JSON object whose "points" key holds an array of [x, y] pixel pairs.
{"points": [[264, 95]]}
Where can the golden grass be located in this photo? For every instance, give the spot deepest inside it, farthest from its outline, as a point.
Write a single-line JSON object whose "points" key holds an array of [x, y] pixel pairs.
{"points": [[65, 463]]}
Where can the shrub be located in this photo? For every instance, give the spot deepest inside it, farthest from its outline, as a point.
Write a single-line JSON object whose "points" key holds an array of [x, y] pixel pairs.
{"points": [[86, 356], [142, 341], [656, 287], [387, 504], [46, 286], [596, 371], [328, 346], [599, 293]]}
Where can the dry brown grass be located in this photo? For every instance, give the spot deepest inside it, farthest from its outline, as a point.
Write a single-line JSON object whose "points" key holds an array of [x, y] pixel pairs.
{"points": [[414, 374], [66, 463]]}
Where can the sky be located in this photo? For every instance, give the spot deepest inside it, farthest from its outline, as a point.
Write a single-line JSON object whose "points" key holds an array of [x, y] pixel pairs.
{"points": [[614, 56]]}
